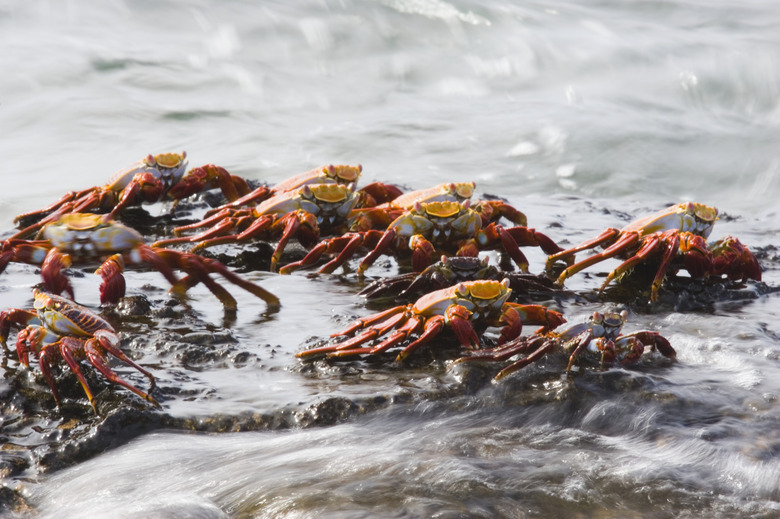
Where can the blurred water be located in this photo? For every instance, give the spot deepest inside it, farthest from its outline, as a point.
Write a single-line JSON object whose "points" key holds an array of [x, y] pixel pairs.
{"points": [[582, 116]]}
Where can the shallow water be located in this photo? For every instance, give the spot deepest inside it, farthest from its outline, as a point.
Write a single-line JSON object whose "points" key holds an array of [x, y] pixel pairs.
{"points": [[584, 117]]}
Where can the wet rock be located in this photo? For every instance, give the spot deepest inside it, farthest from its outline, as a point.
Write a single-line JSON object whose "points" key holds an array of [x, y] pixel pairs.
{"points": [[327, 412], [13, 502]]}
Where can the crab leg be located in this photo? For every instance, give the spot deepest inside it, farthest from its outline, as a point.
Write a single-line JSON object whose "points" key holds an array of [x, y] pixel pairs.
{"points": [[432, 328], [382, 245], [627, 241], [387, 319], [235, 217], [399, 335], [293, 222], [583, 339], [67, 347], [45, 362], [651, 245], [532, 357], [505, 351], [198, 269], [92, 349], [608, 236], [356, 240], [57, 207]]}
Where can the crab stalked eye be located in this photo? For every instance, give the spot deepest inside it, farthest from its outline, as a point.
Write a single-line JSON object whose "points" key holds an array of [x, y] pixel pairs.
{"points": [[504, 281], [306, 191], [346, 173], [465, 189], [169, 160], [461, 290], [705, 212], [614, 319], [597, 318]]}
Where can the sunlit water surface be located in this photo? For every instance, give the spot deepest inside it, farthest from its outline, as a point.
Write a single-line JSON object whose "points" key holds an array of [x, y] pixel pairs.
{"points": [[584, 117]]}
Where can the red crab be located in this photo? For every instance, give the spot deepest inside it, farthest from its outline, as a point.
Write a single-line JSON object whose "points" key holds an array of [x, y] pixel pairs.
{"points": [[148, 181], [58, 329], [671, 239], [600, 335], [463, 307], [85, 238]]}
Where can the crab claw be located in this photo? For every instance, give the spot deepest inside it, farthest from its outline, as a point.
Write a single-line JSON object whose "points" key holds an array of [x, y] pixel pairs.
{"points": [[51, 272], [458, 318], [608, 350], [209, 177], [541, 315], [697, 256], [733, 259], [113, 287]]}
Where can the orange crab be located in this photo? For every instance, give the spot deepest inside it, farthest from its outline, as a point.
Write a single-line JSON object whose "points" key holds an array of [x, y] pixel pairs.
{"points": [[149, 180], [674, 238], [451, 270], [489, 210], [85, 238], [600, 335], [463, 307], [59, 329], [427, 228], [305, 213], [373, 194]]}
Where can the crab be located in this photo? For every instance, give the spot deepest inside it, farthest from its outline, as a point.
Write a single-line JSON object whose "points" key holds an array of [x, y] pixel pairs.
{"points": [[428, 227], [374, 193], [451, 270], [601, 335], [149, 180], [489, 210], [673, 238], [465, 307], [58, 329], [85, 238], [305, 213]]}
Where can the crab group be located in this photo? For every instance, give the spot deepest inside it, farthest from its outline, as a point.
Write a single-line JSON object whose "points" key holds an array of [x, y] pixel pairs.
{"points": [[334, 220]]}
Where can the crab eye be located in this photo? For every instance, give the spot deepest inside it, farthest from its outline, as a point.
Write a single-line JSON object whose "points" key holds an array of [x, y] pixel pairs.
{"points": [[505, 282], [466, 190], [461, 290], [597, 317]]}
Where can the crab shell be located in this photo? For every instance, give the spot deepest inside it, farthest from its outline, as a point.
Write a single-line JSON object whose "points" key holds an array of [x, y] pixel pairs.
{"points": [[341, 174], [169, 168], [87, 235], [690, 217], [330, 203], [607, 326], [64, 317], [439, 220], [481, 298], [448, 192]]}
